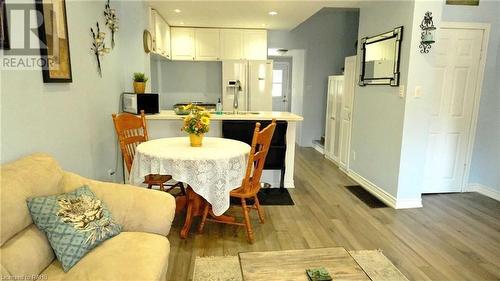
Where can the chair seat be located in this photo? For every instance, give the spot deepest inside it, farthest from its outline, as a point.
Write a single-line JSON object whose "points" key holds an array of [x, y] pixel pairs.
{"points": [[156, 179]]}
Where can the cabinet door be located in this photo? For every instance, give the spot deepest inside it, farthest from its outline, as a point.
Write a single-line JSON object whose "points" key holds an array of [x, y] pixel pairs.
{"points": [[207, 44], [166, 40], [157, 34], [232, 44], [255, 44], [182, 43]]}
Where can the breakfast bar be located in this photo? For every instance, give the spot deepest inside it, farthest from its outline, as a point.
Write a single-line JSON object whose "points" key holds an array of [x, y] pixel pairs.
{"points": [[167, 124]]}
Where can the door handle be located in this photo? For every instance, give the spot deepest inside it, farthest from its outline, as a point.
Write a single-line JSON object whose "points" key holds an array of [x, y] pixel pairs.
{"points": [[333, 118]]}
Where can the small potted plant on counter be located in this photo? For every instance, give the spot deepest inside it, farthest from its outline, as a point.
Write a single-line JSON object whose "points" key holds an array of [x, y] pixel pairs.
{"points": [[196, 124], [140, 80]]}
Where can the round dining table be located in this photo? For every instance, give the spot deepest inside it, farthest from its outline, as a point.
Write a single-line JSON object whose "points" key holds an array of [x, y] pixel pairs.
{"points": [[211, 171]]}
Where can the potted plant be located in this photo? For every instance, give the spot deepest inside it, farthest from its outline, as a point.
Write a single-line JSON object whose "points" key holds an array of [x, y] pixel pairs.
{"points": [[140, 80], [196, 124]]}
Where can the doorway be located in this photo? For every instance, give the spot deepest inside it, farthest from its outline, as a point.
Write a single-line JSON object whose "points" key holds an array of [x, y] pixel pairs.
{"points": [[459, 66], [281, 84]]}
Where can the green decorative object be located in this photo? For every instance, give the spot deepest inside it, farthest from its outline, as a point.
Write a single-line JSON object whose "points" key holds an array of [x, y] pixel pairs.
{"points": [[74, 222], [318, 274]]}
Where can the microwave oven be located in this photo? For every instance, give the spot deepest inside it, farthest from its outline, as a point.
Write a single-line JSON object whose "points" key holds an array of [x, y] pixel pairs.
{"points": [[134, 103]]}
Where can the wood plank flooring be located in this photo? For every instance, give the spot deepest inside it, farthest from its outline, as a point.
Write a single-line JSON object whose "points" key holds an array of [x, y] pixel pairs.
{"points": [[453, 237]]}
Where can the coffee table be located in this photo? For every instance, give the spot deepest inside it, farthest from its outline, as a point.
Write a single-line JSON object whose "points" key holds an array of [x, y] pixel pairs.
{"points": [[291, 265]]}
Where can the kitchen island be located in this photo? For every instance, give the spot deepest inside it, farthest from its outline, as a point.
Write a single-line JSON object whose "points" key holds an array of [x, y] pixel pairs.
{"points": [[168, 124]]}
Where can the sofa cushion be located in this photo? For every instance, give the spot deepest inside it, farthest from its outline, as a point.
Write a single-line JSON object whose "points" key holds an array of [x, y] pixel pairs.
{"points": [[74, 222], [27, 253], [35, 175], [127, 256]]}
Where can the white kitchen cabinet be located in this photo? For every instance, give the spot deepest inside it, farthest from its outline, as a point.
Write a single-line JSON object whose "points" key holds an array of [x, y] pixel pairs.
{"points": [[166, 40], [160, 32], [207, 44], [183, 43], [255, 44], [232, 44]]}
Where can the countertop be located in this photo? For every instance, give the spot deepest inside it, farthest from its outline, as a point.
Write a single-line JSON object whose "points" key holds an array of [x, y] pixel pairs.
{"points": [[255, 115]]}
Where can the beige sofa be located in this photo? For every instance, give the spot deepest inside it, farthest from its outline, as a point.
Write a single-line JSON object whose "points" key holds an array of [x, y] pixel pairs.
{"points": [[140, 252]]}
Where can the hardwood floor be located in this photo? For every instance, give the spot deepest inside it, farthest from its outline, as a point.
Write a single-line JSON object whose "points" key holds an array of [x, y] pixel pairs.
{"points": [[454, 237]]}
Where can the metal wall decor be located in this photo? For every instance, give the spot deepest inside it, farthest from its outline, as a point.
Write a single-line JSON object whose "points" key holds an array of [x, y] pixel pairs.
{"points": [[111, 22], [98, 46], [427, 36]]}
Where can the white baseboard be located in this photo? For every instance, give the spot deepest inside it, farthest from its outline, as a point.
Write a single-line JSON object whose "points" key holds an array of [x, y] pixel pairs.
{"points": [[484, 190], [409, 203], [381, 194], [318, 148]]}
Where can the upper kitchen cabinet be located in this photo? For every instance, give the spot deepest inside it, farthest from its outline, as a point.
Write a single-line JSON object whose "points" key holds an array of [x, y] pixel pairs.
{"points": [[183, 43], [212, 44], [207, 44], [232, 44], [161, 35], [255, 44]]}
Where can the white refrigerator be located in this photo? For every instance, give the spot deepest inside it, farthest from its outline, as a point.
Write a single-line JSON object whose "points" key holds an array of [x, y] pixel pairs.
{"points": [[256, 80]]}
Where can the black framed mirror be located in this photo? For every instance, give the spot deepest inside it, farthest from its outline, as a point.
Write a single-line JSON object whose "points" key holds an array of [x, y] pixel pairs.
{"points": [[380, 58]]}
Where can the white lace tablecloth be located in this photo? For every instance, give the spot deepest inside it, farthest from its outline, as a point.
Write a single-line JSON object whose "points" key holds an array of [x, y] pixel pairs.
{"points": [[212, 170]]}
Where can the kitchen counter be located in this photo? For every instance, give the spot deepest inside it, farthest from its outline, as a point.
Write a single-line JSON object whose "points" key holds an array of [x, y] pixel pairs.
{"points": [[254, 115]]}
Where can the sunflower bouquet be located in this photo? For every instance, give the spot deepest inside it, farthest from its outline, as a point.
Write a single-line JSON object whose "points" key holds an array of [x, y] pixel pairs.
{"points": [[198, 123]]}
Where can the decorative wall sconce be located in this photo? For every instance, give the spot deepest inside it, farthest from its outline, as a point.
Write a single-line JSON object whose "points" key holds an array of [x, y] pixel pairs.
{"points": [[427, 37]]}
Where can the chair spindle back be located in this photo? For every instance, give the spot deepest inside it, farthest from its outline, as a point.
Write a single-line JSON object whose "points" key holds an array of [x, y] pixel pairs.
{"points": [[131, 131], [257, 157]]}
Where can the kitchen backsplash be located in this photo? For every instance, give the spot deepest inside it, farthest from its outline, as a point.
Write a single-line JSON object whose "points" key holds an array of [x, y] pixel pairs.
{"points": [[185, 81]]}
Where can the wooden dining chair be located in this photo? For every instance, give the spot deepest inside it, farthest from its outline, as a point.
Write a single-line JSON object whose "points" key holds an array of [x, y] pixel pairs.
{"points": [[251, 183], [132, 131]]}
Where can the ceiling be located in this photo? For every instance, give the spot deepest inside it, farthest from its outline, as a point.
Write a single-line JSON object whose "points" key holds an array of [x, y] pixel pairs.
{"points": [[243, 14]]}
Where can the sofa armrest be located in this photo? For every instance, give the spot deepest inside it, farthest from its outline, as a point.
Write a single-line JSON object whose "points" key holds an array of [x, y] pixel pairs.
{"points": [[135, 208]]}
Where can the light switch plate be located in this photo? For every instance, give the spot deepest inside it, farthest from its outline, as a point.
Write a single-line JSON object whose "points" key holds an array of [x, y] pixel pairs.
{"points": [[402, 91], [418, 92]]}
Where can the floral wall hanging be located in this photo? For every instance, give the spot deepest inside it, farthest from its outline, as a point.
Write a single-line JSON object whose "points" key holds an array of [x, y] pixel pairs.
{"points": [[111, 22], [98, 46]]}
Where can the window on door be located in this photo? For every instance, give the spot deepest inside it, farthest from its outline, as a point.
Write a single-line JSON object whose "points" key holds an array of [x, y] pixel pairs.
{"points": [[277, 82]]}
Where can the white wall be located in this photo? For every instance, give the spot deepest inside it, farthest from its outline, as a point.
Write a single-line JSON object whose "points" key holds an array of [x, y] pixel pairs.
{"points": [[417, 115], [378, 112], [327, 38], [390, 133], [72, 121]]}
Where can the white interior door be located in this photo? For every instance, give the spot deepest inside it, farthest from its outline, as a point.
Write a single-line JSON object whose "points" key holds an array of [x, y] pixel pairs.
{"points": [[456, 66], [281, 88], [346, 111], [334, 99]]}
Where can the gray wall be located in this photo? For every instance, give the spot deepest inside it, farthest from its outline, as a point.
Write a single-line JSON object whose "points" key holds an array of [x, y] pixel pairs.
{"points": [[72, 121], [186, 81], [378, 115], [327, 37], [485, 166]]}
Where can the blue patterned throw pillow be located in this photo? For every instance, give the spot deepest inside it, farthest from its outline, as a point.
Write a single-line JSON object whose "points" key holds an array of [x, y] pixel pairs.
{"points": [[74, 222]]}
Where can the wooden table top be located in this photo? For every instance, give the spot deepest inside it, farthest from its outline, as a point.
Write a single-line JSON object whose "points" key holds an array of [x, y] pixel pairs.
{"points": [[291, 265]]}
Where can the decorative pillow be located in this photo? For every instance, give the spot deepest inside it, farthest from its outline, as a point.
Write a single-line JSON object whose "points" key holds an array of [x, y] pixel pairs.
{"points": [[74, 222]]}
